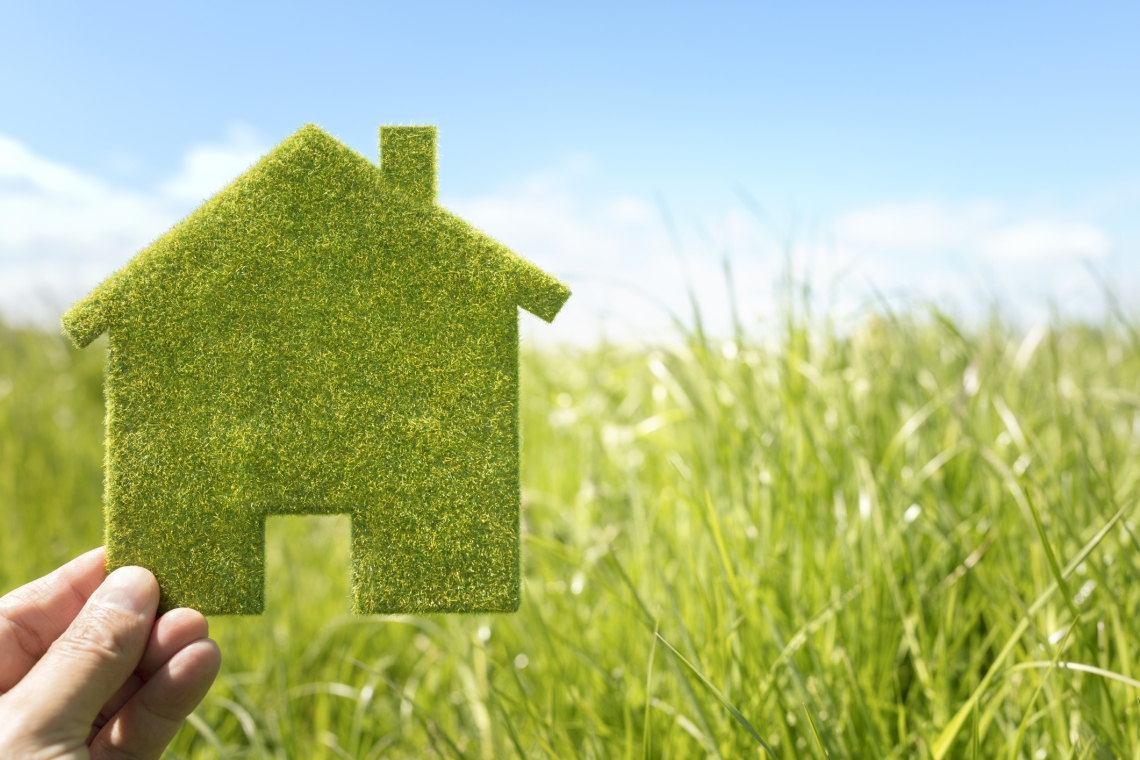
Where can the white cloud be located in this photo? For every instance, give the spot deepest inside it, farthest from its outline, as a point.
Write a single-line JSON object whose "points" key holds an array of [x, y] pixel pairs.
{"points": [[630, 279], [984, 230], [912, 225], [553, 226], [46, 203], [974, 256], [628, 275], [1043, 239], [613, 252], [63, 231], [209, 167], [629, 210]]}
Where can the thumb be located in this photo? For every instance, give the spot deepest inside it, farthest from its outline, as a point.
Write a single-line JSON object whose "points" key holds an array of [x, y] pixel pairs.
{"points": [[64, 691]]}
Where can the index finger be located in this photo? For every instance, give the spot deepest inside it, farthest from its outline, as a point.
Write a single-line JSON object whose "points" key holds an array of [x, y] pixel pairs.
{"points": [[35, 615]]}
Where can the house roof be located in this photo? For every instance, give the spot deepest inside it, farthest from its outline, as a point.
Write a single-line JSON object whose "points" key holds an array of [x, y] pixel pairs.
{"points": [[291, 181]]}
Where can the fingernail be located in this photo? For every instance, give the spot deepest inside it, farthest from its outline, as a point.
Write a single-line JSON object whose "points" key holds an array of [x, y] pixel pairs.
{"points": [[128, 588]]}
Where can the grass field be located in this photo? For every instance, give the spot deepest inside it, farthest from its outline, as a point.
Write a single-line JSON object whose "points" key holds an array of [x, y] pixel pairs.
{"points": [[897, 538]]}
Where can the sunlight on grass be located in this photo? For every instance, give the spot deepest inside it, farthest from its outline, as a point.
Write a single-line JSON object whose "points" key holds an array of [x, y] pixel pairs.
{"points": [[922, 535]]}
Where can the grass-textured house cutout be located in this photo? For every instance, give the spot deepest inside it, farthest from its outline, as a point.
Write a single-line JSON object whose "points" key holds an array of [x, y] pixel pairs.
{"points": [[320, 337]]}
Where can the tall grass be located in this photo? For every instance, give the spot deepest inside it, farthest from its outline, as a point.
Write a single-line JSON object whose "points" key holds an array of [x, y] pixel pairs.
{"points": [[902, 539]]}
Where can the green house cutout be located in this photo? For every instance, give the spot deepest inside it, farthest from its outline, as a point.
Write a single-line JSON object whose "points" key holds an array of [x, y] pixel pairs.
{"points": [[320, 337]]}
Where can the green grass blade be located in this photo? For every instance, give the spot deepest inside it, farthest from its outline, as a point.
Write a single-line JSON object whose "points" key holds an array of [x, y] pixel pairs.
{"points": [[206, 732], [1015, 744], [811, 723], [511, 732], [975, 736], [719, 695], [647, 733], [945, 739], [1047, 546], [826, 478], [1080, 667], [722, 549]]}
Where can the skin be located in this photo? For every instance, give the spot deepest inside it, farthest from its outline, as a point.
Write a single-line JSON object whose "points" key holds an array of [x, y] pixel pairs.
{"points": [[86, 671]]}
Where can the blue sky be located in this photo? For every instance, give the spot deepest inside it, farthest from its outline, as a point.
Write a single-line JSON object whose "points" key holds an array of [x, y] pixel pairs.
{"points": [[957, 151]]}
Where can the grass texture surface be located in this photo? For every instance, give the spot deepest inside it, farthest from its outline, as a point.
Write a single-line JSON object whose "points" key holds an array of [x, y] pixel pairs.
{"points": [[319, 338], [831, 520]]}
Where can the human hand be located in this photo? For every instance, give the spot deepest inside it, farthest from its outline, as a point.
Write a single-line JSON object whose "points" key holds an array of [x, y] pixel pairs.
{"points": [[87, 672]]}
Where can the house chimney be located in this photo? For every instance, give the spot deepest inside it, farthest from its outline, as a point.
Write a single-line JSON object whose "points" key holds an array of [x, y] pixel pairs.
{"points": [[407, 159]]}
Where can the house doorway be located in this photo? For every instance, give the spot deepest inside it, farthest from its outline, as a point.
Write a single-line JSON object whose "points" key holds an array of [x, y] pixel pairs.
{"points": [[307, 567]]}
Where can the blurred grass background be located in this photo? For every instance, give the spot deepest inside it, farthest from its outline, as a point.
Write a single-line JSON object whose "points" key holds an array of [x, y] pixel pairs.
{"points": [[899, 537]]}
